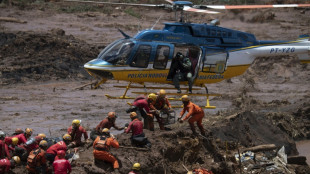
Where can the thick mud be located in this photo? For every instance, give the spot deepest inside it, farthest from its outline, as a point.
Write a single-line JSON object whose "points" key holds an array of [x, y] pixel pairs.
{"points": [[41, 74]]}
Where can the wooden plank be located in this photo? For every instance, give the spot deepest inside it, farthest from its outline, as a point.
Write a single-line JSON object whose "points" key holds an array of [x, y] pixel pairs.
{"points": [[10, 19]]}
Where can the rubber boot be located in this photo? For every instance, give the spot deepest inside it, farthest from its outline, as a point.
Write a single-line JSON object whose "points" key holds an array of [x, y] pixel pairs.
{"points": [[193, 129]]}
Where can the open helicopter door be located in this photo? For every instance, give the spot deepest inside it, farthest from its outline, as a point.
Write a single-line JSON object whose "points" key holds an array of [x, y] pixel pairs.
{"points": [[215, 60], [193, 53]]}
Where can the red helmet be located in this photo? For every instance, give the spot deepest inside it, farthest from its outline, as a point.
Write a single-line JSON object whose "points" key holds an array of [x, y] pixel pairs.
{"points": [[61, 154]]}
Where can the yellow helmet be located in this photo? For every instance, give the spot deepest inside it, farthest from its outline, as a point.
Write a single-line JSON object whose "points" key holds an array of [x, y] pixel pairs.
{"points": [[133, 114], [28, 131], [136, 166], [16, 159], [76, 123], [43, 144], [152, 96], [105, 130], [14, 141], [162, 92], [67, 137], [42, 135], [185, 98], [189, 172]]}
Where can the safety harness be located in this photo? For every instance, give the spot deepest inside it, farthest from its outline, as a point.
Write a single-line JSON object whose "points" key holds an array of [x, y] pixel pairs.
{"points": [[32, 158], [101, 144]]}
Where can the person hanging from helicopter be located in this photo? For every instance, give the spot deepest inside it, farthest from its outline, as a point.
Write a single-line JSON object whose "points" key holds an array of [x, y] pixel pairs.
{"points": [[181, 70]]}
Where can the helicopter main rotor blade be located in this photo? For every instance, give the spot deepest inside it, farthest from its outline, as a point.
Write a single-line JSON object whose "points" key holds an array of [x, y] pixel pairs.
{"points": [[116, 3], [171, 2], [253, 6], [187, 8]]}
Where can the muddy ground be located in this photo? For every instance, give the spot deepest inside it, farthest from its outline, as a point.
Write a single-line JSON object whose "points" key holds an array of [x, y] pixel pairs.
{"points": [[42, 69]]}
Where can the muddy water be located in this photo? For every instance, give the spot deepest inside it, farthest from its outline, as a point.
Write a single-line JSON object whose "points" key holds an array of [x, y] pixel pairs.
{"points": [[303, 148]]}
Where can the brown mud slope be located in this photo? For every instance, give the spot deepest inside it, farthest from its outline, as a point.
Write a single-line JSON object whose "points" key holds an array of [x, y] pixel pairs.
{"points": [[42, 56]]}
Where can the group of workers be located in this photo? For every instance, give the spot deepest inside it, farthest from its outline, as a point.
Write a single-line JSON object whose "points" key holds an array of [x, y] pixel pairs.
{"points": [[41, 152]]}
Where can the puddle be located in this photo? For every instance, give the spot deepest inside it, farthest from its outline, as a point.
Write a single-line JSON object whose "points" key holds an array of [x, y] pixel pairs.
{"points": [[303, 148]]}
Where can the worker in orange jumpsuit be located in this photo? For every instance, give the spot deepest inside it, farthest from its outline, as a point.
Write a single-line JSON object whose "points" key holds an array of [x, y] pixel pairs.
{"points": [[76, 131], [200, 171], [36, 161], [51, 152], [195, 114], [102, 145], [6, 164], [61, 165], [108, 122]]}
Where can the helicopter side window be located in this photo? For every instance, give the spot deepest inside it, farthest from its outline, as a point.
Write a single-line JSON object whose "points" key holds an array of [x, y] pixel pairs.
{"points": [[118, 52], [141, 58], [161, 59]]}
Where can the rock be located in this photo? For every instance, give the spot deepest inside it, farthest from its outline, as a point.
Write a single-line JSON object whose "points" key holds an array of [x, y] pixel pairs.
{"points": [[300, 160]]}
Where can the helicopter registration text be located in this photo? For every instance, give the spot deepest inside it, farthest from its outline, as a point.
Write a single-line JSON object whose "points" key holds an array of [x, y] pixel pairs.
{"points": [[282, 50]]}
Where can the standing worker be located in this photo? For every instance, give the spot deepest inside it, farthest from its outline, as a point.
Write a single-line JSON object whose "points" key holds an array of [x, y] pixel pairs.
{"points": [[136, 127], [108, 122], [61, 165], [36, 161], [194, 112], [141, 104], [76, 131], [6, 164], [102, 145], [135, 168]]}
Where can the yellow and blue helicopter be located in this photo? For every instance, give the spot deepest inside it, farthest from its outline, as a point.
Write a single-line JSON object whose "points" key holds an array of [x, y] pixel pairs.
{"points": [[216, 53]]}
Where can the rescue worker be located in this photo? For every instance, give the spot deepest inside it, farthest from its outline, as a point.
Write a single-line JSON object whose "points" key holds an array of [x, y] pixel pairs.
{"points": [[62, 145], [135, 168], [108, 122], [23, 150], [6, 164], [61, 165], [76, 131], [102, 145], [195, 114], [141, 104], [4, 149], [161, 104], [11, 143], [181, 70], [36, 161], [23, 137], [18, 131], [136, 127], [151, 100], [200, 171]]}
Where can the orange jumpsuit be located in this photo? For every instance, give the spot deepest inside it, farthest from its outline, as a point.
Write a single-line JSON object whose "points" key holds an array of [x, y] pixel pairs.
{"points": [[103, 153], [36, 162], [196, 114]]}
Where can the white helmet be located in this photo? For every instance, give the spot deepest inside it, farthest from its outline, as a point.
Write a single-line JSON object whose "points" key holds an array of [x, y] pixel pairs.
{"points": [[2, 134]]}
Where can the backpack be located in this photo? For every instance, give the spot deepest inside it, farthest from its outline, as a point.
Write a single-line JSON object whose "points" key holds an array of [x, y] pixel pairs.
{"points": [[101, 144], [31, 160]]}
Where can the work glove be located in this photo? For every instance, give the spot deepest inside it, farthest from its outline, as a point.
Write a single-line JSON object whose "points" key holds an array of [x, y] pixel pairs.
{"points": [[112, 136]]}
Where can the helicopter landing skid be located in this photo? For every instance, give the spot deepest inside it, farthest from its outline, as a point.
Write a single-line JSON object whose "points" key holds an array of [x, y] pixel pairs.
{"points": [[207, 106], [120, 97]]}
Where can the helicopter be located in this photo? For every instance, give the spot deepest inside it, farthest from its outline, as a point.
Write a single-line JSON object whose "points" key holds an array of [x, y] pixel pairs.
{"points": [[216, 53]]}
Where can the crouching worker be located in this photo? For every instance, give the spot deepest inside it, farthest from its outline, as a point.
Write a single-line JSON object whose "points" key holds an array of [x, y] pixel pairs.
{"points": [[102, 145], [61, 165], [136, 127], [6, 164], [36, 161], [135, 168], [76, 131]]}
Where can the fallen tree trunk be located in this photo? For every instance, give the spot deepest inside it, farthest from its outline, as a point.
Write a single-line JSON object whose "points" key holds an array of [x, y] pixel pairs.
{"points": [[264, 147], [10, 19], [136, 148]]}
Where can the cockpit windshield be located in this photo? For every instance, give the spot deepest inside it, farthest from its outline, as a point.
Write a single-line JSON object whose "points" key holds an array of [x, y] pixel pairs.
{"points": [[117, 52]]}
